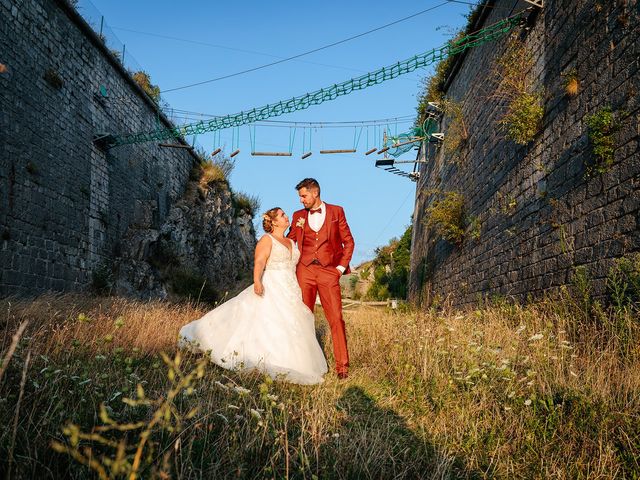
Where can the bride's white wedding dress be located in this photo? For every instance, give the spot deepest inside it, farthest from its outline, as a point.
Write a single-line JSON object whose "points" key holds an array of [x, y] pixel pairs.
{"points": [[274, 333]]}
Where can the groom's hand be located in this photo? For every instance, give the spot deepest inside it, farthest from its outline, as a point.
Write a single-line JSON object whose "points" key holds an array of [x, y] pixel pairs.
{"points": [[258, 288]]}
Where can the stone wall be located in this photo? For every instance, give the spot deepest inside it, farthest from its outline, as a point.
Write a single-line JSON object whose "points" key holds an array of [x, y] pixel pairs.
{"points": [[540, 216], [66, 205]]}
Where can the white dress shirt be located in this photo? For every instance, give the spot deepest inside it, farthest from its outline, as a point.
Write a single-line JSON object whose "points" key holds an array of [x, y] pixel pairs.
{"points": [[316, 220]]}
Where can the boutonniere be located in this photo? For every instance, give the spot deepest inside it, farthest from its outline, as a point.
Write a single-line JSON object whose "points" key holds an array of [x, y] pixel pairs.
{"points": [[300, 222]]}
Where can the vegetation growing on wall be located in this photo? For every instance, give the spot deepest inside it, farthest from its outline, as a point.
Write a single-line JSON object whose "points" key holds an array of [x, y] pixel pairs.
{"points": [[524, 110], [143, 79], [446, 215], [245, 203], [602, 128], [571, 84], [456, 134]]}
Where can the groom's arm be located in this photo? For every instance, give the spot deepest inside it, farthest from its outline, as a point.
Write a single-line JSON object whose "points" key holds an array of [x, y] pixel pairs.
{"points": [[293, 231], [348, 243]]}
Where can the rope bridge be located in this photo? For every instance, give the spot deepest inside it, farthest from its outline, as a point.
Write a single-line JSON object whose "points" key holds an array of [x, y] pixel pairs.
{"points": [[305, 101]]}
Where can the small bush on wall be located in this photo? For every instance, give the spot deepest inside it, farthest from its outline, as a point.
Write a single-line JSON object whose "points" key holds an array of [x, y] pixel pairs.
{"points": [[524, 111], [601, 130], [446, 216]]}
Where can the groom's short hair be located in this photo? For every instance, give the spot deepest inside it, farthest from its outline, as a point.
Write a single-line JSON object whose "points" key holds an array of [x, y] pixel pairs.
{"points": [[308, 183]]}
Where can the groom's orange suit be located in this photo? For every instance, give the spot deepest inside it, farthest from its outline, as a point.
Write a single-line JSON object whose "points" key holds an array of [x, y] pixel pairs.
{"points": [[320, 253]]}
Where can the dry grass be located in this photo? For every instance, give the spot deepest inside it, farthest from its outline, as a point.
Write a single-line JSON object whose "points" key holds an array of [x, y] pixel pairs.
{"points": [[500, 392]]}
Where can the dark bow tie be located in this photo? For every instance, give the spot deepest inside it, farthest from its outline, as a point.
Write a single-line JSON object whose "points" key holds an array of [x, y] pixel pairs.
{"points": [[317, 210]]}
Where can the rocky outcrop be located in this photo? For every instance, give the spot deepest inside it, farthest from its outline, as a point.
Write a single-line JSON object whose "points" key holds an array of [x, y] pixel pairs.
{"points": [[203, 249]]}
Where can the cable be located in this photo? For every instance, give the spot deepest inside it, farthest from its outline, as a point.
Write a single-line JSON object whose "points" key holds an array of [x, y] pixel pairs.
{"points": [[307, 52], [224, 47], [393, 217]]}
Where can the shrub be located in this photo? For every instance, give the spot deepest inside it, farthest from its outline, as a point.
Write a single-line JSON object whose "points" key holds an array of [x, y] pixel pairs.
{"points": [[143, 79], [192, 285], [524, 110], [102, 279], [391, 269], [213, 171], [571, 84], [244, 203], [446, 216], [602, 128], [523, 117], [456, 134]]}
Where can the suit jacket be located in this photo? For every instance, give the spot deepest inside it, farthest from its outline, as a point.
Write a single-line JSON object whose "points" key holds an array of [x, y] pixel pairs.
{"points": [[339, 235]]}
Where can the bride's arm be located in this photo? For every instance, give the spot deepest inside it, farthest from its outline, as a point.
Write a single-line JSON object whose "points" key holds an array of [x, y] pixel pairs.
{"points": [[263, 250]]}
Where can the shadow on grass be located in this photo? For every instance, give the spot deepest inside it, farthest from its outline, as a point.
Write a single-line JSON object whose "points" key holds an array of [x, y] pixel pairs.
{"points": [[376, 442]]}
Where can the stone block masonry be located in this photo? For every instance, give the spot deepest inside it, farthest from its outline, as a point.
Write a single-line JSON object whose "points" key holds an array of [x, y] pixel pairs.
{"points": [[540, 215], [65, 204]]}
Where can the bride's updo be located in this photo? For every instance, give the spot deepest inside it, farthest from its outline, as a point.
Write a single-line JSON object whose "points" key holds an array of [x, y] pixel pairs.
{"points": [[268, 217]]}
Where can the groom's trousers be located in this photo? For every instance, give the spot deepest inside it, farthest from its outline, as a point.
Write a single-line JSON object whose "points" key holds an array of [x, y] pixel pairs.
{"points": [[325, 281]]}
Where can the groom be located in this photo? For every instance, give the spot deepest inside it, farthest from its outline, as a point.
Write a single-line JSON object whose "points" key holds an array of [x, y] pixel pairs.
{"points": [[326, 247]]}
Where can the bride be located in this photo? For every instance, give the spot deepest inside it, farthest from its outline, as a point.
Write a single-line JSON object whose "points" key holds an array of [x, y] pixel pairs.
{"points": [[267, 326]]}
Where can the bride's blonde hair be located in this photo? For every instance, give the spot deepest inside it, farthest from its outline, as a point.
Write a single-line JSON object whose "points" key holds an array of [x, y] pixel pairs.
{"points": [[268, 217]]}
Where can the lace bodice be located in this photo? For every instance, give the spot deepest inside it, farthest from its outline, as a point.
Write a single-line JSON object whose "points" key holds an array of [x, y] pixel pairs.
{"points": [[281, 258]]}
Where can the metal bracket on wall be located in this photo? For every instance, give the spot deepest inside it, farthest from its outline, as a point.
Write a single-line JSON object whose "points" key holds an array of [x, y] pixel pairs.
{"points": [[537, 3], [104, 141]]}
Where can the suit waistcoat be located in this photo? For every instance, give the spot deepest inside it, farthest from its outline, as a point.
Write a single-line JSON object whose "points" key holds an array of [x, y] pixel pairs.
{"points": [[315, 245]]}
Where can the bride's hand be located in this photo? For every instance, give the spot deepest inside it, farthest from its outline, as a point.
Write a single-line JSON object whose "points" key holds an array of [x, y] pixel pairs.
{"points": [[258, 288]]}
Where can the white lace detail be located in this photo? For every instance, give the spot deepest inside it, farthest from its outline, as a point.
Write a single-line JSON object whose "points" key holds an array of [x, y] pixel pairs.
{"points": [[283, 262], [282, 258]]}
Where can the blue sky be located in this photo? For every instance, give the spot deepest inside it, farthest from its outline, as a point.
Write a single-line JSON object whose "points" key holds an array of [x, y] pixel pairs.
{"points": [[215, 38]]}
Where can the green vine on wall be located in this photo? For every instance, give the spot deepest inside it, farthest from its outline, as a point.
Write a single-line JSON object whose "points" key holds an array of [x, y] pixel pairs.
{"points": [[601, 131]]}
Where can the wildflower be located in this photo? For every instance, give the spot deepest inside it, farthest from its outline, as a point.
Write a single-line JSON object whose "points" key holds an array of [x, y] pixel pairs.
{"points": [[336, 435], [221, 385], [119, 322], [272, 397], [233, 407], [511, 394], [83, 318], [108, 338], [241, 390], [537, 336], [255, 414], [527, 402]]}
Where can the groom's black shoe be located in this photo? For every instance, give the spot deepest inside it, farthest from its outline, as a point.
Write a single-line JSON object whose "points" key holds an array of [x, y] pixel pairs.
{"points": [[343, 375]]}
